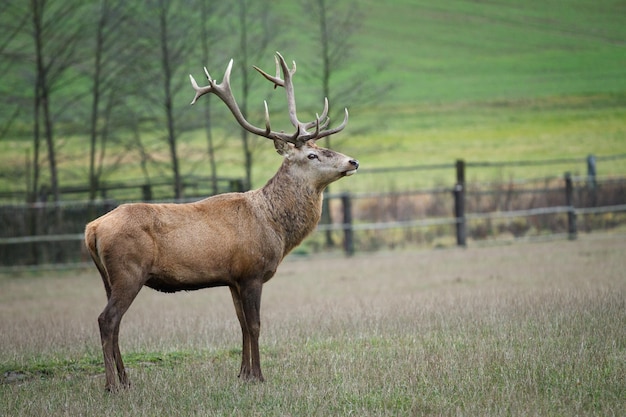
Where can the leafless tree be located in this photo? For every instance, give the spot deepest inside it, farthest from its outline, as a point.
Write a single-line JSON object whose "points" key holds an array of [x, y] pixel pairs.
{"points": [[211, 33], [56, 29], [112, 61], [12, 20], [334, 26], [253, 27], [167, 31], [165, 16]]}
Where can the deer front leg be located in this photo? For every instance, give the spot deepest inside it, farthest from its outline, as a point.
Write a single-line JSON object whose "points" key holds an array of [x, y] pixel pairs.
{"points": [[251, 303], [244, 371]]}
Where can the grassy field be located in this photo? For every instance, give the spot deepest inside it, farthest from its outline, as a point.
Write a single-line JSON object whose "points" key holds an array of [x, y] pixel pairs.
{"points": [[526, 329], [499, 81], [537, 129], [474, 51]]}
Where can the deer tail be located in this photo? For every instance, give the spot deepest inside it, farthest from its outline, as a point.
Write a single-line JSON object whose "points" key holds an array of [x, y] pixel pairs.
{"points": [[91, 242]]}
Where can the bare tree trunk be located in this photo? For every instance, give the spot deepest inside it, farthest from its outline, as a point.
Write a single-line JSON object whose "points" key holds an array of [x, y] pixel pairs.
{"points": [[254, 26], [36, 145], [210, 146], [112, 72], [243, 46], [35, 224], [326, 71], [57, 30], [337, 21], [52, 160], [169, 107], [207, 103], [42, 99], [93, 133]]}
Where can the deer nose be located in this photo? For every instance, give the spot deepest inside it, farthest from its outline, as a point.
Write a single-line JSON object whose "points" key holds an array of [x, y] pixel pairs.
{"points": [[354, 163]]}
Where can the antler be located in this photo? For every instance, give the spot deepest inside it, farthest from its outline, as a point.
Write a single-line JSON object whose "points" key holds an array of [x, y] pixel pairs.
{"points": [[224, 92]]}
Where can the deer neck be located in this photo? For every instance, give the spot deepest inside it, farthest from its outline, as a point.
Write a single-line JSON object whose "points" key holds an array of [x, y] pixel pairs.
{"points": [[293, 204]]}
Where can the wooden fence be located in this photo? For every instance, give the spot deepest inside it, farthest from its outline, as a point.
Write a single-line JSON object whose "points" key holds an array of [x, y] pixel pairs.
{"points": [[144, 190], [45, 234], [559, 203]]}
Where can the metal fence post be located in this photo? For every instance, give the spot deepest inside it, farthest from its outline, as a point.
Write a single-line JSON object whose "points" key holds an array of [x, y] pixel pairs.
{"points": [[459, 203], [569, 202], [348, 240]]}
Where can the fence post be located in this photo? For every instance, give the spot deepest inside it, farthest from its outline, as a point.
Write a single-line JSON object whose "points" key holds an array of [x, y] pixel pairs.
{"points": [[236, 185], [569, 202], [591, 170], [459, 203], [348, 237], [146, 192], [591, 179]]}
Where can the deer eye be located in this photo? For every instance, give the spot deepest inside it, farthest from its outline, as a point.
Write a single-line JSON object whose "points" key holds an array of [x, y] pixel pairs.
{"points": [[312, 156]]}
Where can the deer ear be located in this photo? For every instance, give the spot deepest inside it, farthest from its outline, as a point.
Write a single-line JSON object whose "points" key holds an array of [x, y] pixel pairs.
{"points": [[282, 147]]}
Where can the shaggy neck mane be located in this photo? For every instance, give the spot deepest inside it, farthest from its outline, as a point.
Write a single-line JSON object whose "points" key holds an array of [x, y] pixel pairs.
{"points": [[294, 206]]}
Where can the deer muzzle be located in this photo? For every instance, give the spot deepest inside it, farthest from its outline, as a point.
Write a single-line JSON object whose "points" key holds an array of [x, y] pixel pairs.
{"points": [[355, 165]]}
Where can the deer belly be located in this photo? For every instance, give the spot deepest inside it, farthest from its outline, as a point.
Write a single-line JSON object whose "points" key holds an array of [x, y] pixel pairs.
{"points": [[167, 283]]}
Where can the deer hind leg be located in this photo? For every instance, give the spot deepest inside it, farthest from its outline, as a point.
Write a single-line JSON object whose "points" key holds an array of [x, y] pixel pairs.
{"points": [[109, 321], [247, 300]]}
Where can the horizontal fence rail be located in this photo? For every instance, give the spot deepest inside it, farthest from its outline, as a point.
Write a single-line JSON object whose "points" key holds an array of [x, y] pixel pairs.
{"points": [[471, 216], [41, 238], [136, 189], [339, 227], [375, 226], [43, 234]]}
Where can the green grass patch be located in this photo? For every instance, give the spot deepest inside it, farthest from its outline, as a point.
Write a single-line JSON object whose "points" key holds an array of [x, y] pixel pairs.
{"points": [[537, 129], [90, 365]]}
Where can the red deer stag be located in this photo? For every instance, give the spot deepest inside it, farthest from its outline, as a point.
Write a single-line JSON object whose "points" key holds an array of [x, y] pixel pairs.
{"points": [[235, 240]]}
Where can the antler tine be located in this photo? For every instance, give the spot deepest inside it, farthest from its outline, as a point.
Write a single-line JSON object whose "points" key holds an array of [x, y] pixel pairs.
{"points": [[267, 119], [325, 123], [226, 80], [317, 128], [200, 91], [283, 64], [324, 117], [291, 98], [337, 129], [276, 80], [211, 88], [287, 83]]}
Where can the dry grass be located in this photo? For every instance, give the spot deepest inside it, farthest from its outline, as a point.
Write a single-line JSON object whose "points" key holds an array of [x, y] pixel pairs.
{"points": [[527, 329]]}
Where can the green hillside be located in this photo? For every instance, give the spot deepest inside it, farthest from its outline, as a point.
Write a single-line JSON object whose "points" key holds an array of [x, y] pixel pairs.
{"points": [[498, 80], [469, 50], [479, 80]]}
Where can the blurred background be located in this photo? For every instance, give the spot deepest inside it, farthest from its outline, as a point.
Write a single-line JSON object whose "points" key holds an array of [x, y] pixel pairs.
{"points": [[473, 121]]}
